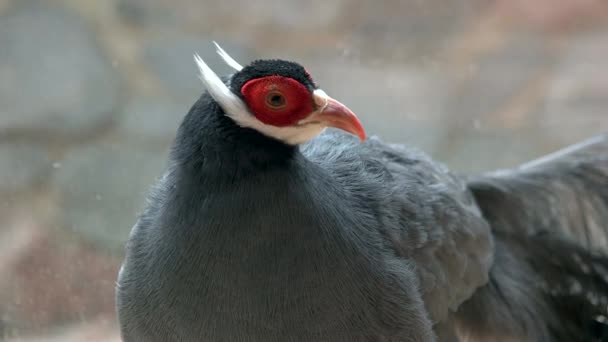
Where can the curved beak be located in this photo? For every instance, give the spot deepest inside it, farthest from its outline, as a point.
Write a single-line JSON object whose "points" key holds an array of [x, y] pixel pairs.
{"points": [[332, 113]]}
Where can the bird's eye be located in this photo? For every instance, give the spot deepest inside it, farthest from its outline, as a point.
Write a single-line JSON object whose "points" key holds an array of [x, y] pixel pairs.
{"points": [[275, 100]]}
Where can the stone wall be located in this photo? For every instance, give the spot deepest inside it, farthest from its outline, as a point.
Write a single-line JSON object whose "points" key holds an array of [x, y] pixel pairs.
{"points": [[91, 93]]}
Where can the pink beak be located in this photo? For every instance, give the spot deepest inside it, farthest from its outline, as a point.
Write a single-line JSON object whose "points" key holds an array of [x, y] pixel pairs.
{"points": [[332, 113]]}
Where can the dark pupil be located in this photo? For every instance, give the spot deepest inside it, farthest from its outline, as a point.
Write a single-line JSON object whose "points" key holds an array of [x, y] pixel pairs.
{"points": [[277, 100]]}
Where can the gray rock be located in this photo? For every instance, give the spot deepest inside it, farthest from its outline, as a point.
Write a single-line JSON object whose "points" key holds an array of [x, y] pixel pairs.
{"points": [[22, 165], [53, 77], [473, 151], [402, 104], [103, 189], [223, 16], [405, 30], [152, 119], [497, 77], [295, 15], [171, 59], [476, 138], [576, 105], [143, 12]]}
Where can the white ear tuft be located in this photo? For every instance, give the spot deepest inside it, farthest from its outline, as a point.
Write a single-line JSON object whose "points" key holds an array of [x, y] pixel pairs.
{"points": [[226, 57], [230, 103]]}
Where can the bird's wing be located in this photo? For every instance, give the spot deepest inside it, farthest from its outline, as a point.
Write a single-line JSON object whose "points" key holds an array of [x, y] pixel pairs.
{"points": [[550, 276], [427, 215], [565, 193]]}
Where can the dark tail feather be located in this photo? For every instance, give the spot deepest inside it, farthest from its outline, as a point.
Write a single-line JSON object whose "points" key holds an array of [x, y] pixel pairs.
{"points": [[550, 220]]}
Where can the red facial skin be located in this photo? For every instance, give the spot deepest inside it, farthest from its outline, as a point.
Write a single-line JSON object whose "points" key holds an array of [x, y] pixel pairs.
{"points": [[277, 100], [282, 101]]}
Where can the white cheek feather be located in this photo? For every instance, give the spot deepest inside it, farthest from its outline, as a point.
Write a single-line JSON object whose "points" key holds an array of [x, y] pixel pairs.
{"points": [[237, 110], [226, 57], [230, 103]]}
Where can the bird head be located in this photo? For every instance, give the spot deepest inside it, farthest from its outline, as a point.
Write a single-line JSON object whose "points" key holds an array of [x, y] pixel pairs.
{"points": [[278, 99]]}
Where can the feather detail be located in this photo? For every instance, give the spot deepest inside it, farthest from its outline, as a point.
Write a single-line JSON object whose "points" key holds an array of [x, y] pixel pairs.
{"points": [[232, 105], [226, 57]]}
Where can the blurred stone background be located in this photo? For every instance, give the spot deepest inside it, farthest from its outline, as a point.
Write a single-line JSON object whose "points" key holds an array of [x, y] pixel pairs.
{"points": [[91, 93]]}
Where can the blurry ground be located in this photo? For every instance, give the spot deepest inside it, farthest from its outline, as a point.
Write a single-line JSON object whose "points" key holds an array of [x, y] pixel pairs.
{"points": [[91, 93]]}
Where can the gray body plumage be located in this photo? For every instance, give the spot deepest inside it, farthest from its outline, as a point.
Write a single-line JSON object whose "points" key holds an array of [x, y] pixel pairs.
{"points": [[245, 239]]}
